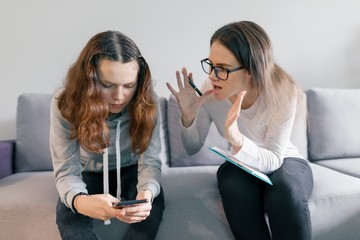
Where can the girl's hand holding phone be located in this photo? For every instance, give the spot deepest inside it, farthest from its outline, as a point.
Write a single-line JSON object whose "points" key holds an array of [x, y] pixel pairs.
{"points": [[138, 210], [129, 203], [98, 206]]}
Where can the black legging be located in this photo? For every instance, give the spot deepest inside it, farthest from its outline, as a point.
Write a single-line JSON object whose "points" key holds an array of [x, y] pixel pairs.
{"points": [[246, 199]]}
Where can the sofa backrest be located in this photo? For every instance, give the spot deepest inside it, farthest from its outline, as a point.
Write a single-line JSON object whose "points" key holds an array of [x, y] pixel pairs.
{"points": [[32, 152], [165, 154], [334, 117], [33, 123], [179, 157]]}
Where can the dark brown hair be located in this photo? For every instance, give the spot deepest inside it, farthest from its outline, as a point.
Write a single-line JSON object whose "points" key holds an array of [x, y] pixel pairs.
{"points": [[253, 49], [81, 104]]}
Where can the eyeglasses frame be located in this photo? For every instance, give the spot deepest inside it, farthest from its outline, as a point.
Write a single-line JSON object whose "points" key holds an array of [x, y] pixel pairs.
{"points": [[214, 68]]}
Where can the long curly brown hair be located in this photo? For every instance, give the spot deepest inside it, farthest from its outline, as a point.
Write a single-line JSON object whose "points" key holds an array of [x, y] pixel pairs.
{"points": [[81, 104]]}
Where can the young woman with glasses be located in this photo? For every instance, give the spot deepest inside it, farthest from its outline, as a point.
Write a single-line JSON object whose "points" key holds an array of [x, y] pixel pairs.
{"points": [[253, 103]]}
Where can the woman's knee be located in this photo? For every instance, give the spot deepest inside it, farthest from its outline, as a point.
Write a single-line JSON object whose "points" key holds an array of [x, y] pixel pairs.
{"points": [[225, 175], [292, 184], [231, 178]]}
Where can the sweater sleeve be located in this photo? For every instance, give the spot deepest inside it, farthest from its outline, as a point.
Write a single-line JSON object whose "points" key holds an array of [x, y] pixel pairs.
{"points": [[65, 155], [268, 155], [194, 136], [149, 165]]}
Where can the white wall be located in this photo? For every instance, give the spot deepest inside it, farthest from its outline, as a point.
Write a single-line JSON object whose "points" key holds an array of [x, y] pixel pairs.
{"points": [[317, 42]]}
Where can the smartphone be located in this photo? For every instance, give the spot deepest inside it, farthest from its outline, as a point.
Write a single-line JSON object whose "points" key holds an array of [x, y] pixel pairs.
{"points": [[129, 203]]}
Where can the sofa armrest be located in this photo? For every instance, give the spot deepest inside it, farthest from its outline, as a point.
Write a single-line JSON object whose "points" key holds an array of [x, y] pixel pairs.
{"points": [[7, 148]]}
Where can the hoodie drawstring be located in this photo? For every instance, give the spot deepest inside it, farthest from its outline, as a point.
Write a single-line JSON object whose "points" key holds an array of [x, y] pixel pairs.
{"points": [[118, 167], [106, 176], [118, 161]]}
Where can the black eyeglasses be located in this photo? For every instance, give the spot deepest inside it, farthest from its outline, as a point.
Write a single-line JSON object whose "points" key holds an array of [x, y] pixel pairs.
{"points": [[220, 72]]}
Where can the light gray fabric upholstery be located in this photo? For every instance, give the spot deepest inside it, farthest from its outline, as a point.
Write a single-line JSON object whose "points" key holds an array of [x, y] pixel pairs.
{"points": [[334, 117], [179, 157], [33, 126], [193, 208], [349, 166], [164, 155], [32, 133], [27, 206], [334, 205], [192, 205]]}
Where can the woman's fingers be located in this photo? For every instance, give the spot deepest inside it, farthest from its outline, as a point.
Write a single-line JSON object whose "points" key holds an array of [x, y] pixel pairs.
{"points": [[172, 90], [132, 217], [239, 101], [179, 81], [186, 77]]}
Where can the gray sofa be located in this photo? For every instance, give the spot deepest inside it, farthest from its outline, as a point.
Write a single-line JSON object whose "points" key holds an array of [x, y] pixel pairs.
{"points": [[330, 141]]}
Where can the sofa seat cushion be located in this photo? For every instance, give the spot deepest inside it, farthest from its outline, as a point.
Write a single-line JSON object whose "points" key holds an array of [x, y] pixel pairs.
{"points": [[28, 200], [191, 194], [350, 166], [192, 205], [334, 204]]}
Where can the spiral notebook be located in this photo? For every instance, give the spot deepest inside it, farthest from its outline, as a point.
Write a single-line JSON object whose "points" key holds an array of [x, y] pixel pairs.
{"points": [[224, 153]]}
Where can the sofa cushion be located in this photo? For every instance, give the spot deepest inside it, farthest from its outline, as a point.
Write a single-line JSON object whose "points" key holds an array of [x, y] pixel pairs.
{"points": [[334, 204], [6, 157], [333, 123], [348, 166], [33, 125], [164, 154], [193, 207], [32, 151], [179, 157], [27, 206]]}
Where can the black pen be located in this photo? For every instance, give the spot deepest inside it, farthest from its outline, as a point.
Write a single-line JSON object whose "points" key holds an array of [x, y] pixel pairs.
{"points": [[194, 87]]}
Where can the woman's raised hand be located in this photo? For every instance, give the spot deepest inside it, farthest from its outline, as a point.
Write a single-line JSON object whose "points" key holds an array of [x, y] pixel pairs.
{"points": [[186, 97], [232, 133]]}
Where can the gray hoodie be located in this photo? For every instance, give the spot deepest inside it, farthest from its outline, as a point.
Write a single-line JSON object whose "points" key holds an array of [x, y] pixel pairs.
{"points": [[70, 159]]}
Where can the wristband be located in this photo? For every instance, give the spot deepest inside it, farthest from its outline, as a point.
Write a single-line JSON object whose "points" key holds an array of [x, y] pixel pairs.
{"points": [[73, 201]]}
